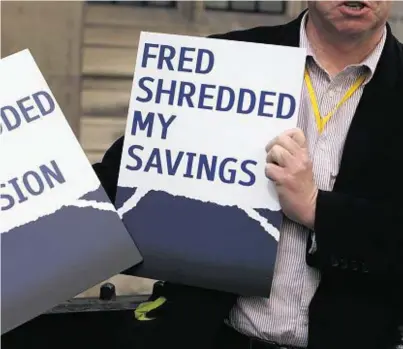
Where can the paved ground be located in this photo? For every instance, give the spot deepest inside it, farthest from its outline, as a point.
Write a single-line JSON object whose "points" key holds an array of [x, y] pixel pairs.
{"points": [[125, 285]]}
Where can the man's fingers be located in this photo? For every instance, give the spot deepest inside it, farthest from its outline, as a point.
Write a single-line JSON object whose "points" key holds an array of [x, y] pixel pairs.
{"points": [[274, 173], [291, 140], [279, 155], [298, 136], [289, 144]]}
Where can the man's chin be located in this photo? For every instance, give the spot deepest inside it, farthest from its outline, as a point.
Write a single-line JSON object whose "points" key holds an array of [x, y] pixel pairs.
{"points": [[353, 30]]}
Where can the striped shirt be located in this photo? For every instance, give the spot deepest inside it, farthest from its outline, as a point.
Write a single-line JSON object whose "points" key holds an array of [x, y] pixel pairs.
{"points": [[283, 318]]}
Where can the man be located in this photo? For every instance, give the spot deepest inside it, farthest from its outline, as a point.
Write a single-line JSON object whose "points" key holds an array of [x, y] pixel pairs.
{"points": [[338, 279]]}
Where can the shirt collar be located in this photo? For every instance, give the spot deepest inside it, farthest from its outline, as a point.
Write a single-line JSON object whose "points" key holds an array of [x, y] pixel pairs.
{"points": [[370, 62]]}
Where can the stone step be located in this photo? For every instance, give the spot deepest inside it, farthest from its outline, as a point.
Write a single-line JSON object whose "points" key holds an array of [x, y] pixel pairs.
{"points": [[129, 15], [94, 156], [111, 36], [105, 83], [127, 37], [99, 133], [109, 61], [125, 285], [111, 54], [105, 102]]}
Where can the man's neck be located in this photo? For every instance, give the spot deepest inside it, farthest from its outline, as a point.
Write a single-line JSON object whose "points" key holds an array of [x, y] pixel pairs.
{"points": [[336, 53]]}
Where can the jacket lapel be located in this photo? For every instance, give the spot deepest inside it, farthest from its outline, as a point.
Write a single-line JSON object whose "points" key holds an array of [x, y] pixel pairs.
{"points": [[373, 117], [374, 113]]}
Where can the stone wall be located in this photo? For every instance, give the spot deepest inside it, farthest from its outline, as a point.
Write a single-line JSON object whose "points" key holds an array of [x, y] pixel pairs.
{"points": [[396, 19], [55, 43]]}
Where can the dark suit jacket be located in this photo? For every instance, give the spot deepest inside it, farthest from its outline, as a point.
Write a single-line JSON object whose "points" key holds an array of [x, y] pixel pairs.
{"points": [[359, 225]]}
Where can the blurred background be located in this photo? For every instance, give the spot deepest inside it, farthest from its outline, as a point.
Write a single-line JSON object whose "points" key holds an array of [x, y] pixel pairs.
{"points": [[87, 53]]}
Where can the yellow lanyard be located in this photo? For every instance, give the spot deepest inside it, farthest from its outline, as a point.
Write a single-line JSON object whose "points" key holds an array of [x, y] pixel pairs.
{"points": [[321, 122]]}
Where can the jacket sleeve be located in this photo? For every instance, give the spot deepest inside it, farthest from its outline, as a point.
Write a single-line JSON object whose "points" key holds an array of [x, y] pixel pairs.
{"points": [[358, 235]]}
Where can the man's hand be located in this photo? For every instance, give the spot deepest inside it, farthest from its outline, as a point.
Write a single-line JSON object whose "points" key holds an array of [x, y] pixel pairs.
{"points": [[289, 167]]}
